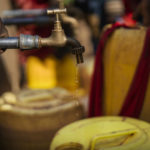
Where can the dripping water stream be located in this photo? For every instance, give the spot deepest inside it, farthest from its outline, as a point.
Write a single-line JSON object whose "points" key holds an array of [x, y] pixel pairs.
{"points": [[76, 83]]}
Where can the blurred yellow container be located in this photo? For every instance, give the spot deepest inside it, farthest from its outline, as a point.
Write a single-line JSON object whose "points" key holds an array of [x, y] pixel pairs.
{"points": [[103, 133], [51, 72], [121, 56], [67, 73], [41, 74]]}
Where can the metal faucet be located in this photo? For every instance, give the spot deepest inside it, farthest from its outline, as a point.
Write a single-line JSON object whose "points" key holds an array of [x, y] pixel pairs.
{"points": [[57, 38], [38, 16]]}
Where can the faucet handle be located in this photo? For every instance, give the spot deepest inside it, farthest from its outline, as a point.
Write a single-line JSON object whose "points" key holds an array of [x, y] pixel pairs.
{"points": [[56, 11], [57, 24]]}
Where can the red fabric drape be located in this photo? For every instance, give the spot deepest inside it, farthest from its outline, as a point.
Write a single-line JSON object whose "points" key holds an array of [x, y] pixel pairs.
{"points": [[135, 98], [134, 101], [31, 4]]}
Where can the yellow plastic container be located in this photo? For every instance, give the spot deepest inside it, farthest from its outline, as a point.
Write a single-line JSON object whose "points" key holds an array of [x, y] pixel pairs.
{"points": [[51, 72], [121, 56], [103, 133], [41, 74], [67, 73]]}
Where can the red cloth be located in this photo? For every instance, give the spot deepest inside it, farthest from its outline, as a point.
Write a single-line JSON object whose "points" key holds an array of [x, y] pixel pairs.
{"points": [[128, 20], [135, 97], [31, 4]]}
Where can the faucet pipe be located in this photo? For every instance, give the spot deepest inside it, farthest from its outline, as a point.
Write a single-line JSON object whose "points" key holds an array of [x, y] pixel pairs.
{"points": [[39, 16], [24, 13], [28, 42], [23, 42], [41, 20], [57, 38], [36, 19], [33, 20], [31, 12]]}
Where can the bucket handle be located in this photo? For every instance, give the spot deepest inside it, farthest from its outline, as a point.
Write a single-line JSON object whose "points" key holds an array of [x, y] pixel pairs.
{"points": [[128, 132]]}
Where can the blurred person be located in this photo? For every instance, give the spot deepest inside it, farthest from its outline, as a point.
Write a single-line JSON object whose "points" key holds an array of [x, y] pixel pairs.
{"points": [[114, 10], [108, 11]]}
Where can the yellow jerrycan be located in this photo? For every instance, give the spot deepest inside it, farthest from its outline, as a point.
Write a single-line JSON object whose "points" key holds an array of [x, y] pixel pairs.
{"points": [[103, 133], [51, 72], [121, 56], [29, 120], [41, 73]]}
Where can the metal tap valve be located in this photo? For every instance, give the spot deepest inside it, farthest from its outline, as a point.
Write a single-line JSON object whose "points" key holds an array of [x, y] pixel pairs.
{"points": [[57, 25], [56, 11], [57, 38]]}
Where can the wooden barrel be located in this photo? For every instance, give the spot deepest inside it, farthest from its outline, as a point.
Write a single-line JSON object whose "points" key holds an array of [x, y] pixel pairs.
{"points": [[30, 124], [121, 56]]}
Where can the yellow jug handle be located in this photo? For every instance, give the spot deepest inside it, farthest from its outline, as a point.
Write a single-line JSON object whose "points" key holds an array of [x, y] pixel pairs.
{"points": [[112, 134]]}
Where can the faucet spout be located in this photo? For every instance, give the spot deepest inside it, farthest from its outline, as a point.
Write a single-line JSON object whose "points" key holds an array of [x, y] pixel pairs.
{"points": [[77, 49], [27, 42], [57, 38]]}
